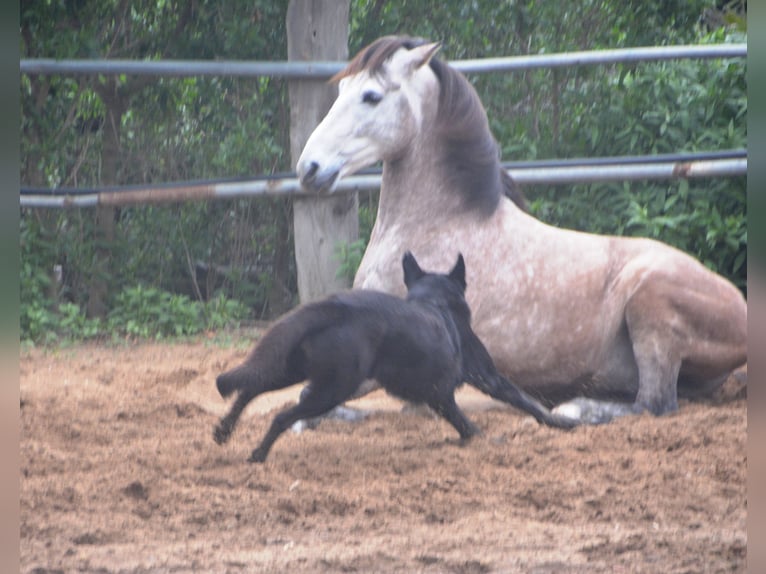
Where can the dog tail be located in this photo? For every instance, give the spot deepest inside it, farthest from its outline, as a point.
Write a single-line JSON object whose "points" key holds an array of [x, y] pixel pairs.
{"points": [[277, 360]]}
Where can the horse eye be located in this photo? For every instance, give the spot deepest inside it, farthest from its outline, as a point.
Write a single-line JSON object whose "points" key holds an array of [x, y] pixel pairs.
{"points": [[372, 98]]}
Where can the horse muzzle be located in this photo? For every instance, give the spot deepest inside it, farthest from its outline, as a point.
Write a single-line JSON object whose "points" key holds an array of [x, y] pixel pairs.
{"points": [[315, 180]]}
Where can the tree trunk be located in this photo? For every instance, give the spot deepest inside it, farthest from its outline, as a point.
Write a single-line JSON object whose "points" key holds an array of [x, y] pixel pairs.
{"points": [[318, 30], [100, 274]]}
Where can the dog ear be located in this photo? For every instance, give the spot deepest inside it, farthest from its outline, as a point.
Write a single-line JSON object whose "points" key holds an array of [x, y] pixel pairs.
{"points": [[458, 271], [412, 271]]}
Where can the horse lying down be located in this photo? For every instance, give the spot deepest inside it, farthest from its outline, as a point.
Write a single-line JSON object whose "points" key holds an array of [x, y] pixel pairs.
{"points": [[628, 325], [420, 349]]}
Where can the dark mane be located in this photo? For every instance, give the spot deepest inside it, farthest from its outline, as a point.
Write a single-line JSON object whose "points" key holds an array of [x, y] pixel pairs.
{"points": [[471, 155], [375, 55]]}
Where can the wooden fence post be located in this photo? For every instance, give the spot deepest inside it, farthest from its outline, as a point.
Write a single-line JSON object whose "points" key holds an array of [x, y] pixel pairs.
{"points": [[317, 30]]}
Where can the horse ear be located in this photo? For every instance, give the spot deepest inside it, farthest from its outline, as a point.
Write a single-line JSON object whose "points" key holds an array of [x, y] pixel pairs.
{"points": [[458, 271], [426, 52], [412, 271], [421, 55]]}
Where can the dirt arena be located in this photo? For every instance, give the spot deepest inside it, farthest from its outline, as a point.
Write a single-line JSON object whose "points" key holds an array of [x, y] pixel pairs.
{"points": [[119, 473]]}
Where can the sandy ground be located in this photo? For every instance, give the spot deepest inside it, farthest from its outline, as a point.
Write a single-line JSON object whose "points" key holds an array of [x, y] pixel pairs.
{"points": [[119, 473]]}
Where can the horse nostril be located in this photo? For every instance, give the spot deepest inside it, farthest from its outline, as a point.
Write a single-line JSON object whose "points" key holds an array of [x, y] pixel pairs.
{"points": [[311, 172], [316, 178]]}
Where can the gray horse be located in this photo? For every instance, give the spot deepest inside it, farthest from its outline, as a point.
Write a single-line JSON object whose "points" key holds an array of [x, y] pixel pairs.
{"points": [[625, 324]]}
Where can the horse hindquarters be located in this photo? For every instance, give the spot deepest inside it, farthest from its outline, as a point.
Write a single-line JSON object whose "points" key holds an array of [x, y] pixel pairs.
{"points": [[690, 321]]}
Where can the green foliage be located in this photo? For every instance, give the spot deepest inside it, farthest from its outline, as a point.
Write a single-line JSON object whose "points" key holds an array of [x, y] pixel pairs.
{"points": [[221, 313], [49, 315], [74, 325], [169, 129], [665, 107], [147, 312], [139, 313], [36, 319], [38, 323], [350, 256]]}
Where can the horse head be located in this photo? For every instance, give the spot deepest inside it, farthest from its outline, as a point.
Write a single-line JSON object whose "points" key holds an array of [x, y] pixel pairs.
{"points": [[378, 111]]}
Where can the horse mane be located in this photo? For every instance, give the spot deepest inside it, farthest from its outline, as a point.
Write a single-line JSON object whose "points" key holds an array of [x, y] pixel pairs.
{"points": [[471, 154]]}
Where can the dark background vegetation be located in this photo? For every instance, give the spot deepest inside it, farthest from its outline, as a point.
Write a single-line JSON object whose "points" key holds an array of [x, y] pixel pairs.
{"points": [[174, 270]]}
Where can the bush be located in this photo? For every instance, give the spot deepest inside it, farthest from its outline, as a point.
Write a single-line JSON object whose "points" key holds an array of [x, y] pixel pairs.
{"points": [[148, 312], [666, 107]]}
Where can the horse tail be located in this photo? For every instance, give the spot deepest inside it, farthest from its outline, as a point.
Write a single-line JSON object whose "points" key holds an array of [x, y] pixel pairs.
{"points": [[277, 360]]}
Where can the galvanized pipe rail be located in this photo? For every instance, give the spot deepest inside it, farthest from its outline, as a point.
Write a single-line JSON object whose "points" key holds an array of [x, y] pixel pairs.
{"points": [[136, 195], [324, 70], [555, 172]]}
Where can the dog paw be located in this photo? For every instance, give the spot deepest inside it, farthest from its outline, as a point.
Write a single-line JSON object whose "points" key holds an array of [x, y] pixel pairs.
{"points": [[257, 456], [220, 435]]}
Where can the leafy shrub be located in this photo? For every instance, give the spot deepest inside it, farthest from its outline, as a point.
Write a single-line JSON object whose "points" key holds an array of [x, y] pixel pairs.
{"points": [[350, 256], [221, 312], [145, 312], [673, 106], [72, 324]]}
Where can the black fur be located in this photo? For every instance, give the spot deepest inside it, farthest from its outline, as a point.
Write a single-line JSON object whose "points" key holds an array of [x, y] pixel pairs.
{"points": [[420, 349]]}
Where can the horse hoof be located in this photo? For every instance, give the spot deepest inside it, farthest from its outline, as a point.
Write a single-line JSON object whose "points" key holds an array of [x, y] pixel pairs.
{"points": [[348, 414], [570, 411], [302, 425], [564, 422], [594, 412]]}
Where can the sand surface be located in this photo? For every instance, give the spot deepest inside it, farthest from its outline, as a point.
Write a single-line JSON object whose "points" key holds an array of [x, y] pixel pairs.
{"points": [[119, 473]]}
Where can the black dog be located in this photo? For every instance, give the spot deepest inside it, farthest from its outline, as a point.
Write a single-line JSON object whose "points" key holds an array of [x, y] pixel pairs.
{"points": [[420, 349]]}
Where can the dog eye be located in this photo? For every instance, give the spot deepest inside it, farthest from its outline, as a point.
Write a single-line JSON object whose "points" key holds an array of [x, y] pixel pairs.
{"points": [[372, 98]]}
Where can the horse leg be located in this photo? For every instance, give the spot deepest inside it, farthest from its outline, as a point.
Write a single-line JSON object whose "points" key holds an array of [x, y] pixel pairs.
{"points": [[673, 326], [656, 353], [657, 387], [657, 378]]}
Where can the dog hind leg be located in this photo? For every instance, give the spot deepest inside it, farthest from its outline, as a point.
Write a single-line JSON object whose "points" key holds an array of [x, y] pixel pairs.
{"points": [[223, 430], [316, 399]]}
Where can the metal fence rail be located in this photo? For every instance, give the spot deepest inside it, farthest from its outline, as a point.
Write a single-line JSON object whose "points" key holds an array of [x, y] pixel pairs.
{"points": [[290, 185], [710, 164], [324, 70]]}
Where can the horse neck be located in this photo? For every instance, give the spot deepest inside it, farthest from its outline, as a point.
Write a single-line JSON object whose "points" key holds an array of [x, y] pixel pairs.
{"points": [[414, 187]]}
